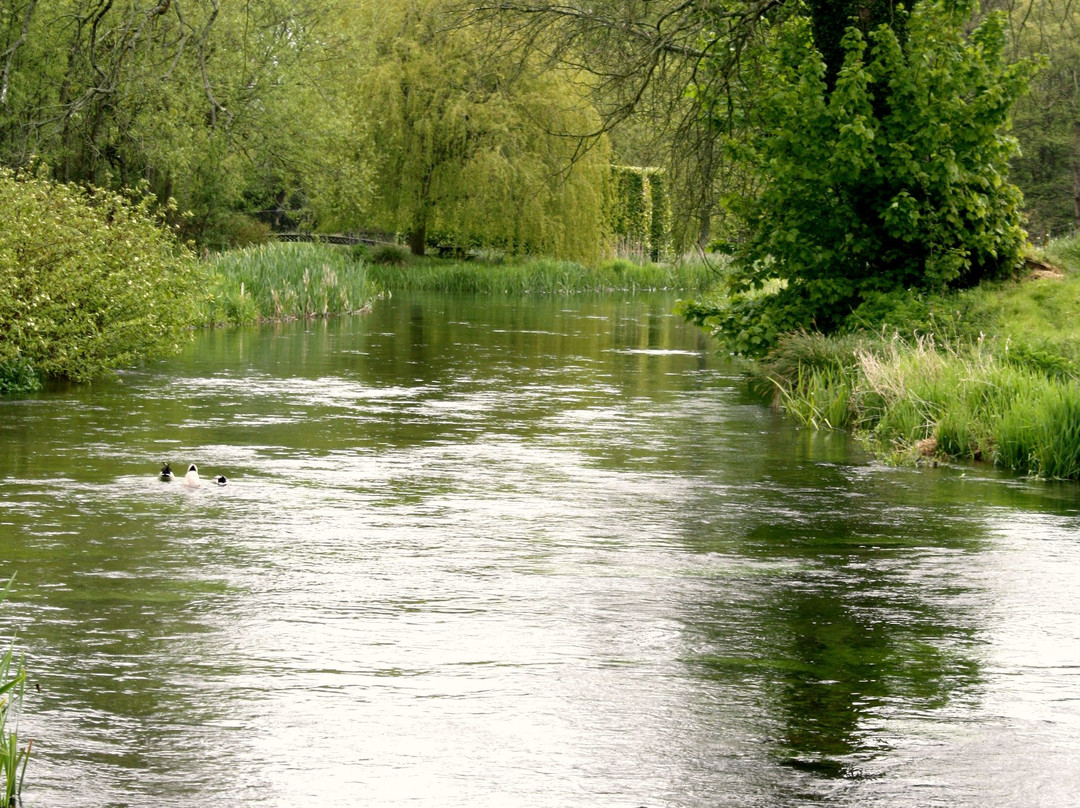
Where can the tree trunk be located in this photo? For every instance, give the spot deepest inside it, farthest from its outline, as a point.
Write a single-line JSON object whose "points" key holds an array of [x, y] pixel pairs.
{"points": [[1076, 173], [830, 19], [418, 238]]}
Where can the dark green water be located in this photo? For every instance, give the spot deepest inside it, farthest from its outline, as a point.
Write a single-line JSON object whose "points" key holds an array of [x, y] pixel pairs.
{"points": [[519, 553]]}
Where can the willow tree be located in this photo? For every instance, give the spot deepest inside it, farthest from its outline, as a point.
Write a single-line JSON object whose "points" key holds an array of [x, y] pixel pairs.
{"points": [[475, 150]]}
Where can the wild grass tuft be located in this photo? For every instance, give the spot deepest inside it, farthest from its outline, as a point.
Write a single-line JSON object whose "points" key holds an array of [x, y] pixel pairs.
{"points": [[915, 395], [18, 376], [394, 255], [280, 281], [13, 759]]}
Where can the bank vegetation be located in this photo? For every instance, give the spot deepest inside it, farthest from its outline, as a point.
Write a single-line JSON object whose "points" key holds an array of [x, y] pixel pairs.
{"points": [[988, 374]]}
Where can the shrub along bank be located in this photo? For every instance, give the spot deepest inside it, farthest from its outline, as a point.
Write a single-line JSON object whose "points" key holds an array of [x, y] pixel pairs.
{"points": [[991, 373], [89, 280]]}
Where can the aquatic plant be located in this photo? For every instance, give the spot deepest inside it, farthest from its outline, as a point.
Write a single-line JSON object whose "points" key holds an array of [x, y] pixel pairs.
{"points": [[278, 281], [17, 375], [13, 759], [542, 276]]}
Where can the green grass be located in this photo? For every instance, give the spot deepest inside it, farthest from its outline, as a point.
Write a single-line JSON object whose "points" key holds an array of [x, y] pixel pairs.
{"points": [[996, 377], [539, 276], [13, 759], [281, 281], [913, 397]]}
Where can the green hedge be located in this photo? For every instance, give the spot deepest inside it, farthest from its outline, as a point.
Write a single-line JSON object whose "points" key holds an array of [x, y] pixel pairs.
{"points": [[640, 211]]}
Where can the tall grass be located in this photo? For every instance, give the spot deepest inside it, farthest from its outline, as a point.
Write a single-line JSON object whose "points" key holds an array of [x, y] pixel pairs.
{"points": [[540, 276], [920, 397], [279, 281], [13, 760]]}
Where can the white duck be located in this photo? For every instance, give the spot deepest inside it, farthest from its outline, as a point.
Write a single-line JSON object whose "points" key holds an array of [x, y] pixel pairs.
{"points": [[191, 479]]}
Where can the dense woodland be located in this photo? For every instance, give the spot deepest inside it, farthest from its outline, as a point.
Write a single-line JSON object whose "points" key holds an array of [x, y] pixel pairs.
{"points": [[493, 125]]}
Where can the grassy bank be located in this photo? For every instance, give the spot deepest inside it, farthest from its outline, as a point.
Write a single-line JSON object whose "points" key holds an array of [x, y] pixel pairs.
{"points": [[539, 276], [992, 374], [279, 281]]}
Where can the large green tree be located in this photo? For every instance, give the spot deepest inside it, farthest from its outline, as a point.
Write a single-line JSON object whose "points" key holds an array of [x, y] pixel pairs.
{"points": [[1048, 119], [473, 148], [220, 106], [893, 179]]}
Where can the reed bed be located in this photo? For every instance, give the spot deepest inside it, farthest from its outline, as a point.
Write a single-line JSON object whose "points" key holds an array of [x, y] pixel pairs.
{"points": [[540, 276], [282, 281], [918, 397]]}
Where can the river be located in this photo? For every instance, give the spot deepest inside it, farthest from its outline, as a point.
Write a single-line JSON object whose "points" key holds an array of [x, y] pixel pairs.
{"points": [[534, 552]]}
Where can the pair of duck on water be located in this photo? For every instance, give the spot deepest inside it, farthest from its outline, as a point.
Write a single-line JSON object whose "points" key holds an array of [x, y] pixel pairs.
{"points": [[191, 479]]}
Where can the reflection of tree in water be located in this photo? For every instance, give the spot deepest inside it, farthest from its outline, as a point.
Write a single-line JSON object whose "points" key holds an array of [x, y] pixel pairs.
{"points": [[855, 612], [860, 639]]}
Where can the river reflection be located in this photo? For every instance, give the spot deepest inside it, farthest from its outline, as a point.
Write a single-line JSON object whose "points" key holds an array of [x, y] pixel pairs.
{"points": [[541, 552]]}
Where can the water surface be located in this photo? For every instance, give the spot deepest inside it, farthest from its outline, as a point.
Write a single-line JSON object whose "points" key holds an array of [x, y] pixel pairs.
{"points": [[537, 552]]}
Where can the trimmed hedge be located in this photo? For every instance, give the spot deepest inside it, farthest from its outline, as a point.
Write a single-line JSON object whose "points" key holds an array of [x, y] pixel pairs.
{"points": [[640, 211]]}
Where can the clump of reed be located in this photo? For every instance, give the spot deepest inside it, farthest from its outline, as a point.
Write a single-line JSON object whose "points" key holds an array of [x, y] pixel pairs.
{"points": [[281, 281], [540, 276], [13, 759], [970, 400]]}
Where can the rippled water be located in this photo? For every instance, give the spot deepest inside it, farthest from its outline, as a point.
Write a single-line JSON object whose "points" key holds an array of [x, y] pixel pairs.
{"points": [[520, 553]]}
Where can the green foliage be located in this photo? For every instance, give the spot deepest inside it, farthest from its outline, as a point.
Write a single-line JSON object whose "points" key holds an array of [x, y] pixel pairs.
{"points": [[639, 211], [964, 400], [660, 217], [89, 281], [1064, 251], [1032, 320], [18, 376], [473, 146], [221, 106], [283, 280], [1046, 120], [893, 180], [395, 255], [13, 759], [541, 276]]}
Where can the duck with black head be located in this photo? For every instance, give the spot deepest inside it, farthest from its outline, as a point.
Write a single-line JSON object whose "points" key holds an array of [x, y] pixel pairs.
{"points": [[166, 473]]}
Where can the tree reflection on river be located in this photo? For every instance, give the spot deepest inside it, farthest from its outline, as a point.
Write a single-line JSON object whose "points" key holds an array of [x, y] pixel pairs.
{"points": [[535, 552]]}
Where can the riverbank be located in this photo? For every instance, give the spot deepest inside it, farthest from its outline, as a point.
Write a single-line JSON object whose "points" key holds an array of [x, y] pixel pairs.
{"points": [[985, 374], [279, 281]]}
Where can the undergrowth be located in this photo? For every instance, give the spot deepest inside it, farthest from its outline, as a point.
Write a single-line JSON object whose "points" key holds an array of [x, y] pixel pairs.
{"points": [[285, 280]]}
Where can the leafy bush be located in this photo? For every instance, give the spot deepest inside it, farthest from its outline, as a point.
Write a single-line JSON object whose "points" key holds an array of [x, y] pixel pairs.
{"points": [[89, 280], [395, 255], [892, 179]]}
